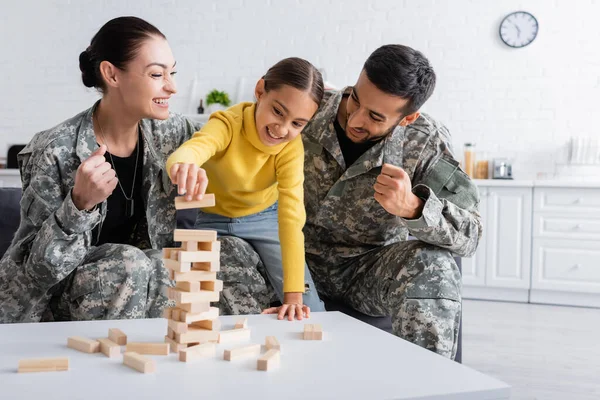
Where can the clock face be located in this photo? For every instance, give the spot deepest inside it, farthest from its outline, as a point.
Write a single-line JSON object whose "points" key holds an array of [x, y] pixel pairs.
{"points": [[518, 29]]}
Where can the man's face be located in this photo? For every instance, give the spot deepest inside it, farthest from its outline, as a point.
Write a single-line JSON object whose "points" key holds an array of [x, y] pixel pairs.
{"points": [[373, 114]]}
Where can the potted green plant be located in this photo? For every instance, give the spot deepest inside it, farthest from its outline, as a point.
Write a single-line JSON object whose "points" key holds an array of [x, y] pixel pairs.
{"points": [[217, 100]]}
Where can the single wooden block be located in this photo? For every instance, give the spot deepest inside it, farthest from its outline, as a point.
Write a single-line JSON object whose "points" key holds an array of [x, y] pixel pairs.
{"points": [[189, 286], [241, 323], [177, 326], [194, 276], [313, 332], [209, 324], [202, 296], [234, 335], [197, 335], [174, 346], [308, 329], [117, 336], [157, 349], [194, 308], [43, 364], [211, 313], [177, 266], [199, 256], [198, 351], [194, 235], [208, 200], [109, 348], [189, 246], [138, 362], [271, 342], [269, 360], [83, 344], [242, 351], [212, 286], [213, 266]]}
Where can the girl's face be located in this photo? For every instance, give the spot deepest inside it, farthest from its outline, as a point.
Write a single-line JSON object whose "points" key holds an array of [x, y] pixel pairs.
{"points": [[282, 113], [147, 83]]}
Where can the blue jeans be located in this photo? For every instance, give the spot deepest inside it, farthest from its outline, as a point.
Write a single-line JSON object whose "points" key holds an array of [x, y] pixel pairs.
{"points": [[261, 230]]}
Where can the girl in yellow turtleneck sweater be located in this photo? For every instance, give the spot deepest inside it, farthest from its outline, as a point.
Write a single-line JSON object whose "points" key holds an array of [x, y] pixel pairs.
{"points": [[251, 157]]}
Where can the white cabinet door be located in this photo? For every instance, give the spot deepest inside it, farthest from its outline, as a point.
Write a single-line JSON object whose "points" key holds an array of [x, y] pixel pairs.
{"points": [[473, 268], [508, 242]]}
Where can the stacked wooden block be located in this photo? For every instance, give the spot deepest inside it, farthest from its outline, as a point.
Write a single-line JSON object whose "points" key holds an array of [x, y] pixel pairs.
{"points": [[193, 267]]}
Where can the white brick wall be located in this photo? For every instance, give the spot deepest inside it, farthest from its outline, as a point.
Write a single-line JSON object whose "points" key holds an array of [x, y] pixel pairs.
{"points": [[522, 103]]}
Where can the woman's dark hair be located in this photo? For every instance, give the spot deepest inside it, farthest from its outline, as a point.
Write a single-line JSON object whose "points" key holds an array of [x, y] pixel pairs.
{"points": [[117, 42], [402, 71], [297, 73]]}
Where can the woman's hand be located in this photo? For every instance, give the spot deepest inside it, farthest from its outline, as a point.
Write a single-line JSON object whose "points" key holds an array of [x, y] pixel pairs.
{"points": [[95, 180]]}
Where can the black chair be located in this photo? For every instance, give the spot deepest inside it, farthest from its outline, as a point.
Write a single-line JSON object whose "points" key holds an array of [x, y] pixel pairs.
{"points": [[11, 158]]}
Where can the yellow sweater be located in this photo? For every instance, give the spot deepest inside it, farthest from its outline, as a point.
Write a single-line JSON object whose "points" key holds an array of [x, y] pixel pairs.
{"points": [[247, 177]]}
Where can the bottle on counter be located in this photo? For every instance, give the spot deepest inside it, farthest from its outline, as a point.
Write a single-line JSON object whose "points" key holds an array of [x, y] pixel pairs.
{"points": [[201, 108], [469, 160]]}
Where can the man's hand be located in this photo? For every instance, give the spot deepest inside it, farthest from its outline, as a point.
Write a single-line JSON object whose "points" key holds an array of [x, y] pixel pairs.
{"points": [[393, 190], [292, 306]]}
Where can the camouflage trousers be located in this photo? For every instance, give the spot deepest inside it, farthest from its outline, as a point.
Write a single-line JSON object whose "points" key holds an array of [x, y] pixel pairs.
{"points": [[115, 281], [418, 285]]}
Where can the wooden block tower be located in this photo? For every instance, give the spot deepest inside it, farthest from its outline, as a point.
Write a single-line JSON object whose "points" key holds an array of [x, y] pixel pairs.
{"points": [[193, 267]]}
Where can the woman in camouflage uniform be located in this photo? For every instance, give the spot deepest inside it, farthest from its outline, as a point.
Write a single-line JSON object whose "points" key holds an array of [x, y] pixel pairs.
{"points": [[97, 205]]}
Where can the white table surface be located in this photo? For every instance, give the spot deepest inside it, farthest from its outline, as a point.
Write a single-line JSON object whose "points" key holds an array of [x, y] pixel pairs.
{"points": [[354, 361]]}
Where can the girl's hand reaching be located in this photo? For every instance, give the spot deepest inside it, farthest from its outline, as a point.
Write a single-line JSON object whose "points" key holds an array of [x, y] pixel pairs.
{"points": [[292, 307], [190, 179]]}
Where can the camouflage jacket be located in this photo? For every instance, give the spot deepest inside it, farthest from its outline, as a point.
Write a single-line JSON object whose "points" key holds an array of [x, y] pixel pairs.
{"points": [[54, 237], [344, 219]]}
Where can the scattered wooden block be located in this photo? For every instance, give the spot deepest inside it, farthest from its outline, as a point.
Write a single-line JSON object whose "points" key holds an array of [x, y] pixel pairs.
{"points": [[174, 346], [195, 352], [202, 296], [195, 308], [83, 344], [189, 286], [117, 336], [195, 235], [138, 362], [209, 324], [197, 335], [43, 365], [241, 323], [271, 342], [195, 276], [109, 348], [212, 286], [234, 335], [207, 201], [243, 351], [269, 360], [177, 266], [157, 349], [210, 313], [313, 332]]}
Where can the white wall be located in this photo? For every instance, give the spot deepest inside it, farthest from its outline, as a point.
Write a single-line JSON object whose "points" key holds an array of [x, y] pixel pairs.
{"points": [[523, 103]]}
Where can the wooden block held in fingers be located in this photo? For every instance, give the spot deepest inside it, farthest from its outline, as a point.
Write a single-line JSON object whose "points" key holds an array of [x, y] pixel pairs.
{"points": [[269, 360], [83, 344], [198, 351], [189, 286], [194, 308], [43, 364], [197, 335], [138, 362], [109, 348], [241, 323], [212, 286], [209, 324], [174, 346], [242, 351], [195, 235], [234, 335], [117, 336], [195, 276], [188, 318], [157, 349], [208, 200], [271, 342]]}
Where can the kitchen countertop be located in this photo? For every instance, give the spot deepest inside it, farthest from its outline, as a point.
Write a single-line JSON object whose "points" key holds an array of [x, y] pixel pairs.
{"points": [[9, 172], [559, 183]]}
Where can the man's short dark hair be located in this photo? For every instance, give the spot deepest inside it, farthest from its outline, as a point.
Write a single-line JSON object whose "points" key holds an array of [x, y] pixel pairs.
{"points": [[402, 71]]}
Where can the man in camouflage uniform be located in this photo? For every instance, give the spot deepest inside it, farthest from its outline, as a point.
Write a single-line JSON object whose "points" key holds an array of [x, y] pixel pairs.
{"points": [[52, 268], [377, 171]]}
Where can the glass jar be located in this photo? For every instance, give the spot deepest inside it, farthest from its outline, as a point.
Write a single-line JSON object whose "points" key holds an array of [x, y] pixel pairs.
{"points": [[469, 159]]}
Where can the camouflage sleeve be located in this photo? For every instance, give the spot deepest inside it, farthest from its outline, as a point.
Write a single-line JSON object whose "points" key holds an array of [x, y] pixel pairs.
{"points": [[450, 217], [59, 235]]}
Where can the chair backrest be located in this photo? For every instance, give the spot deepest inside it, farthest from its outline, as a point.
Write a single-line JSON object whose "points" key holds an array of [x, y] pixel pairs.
{"points": [[10, 199], [11, 158]]}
